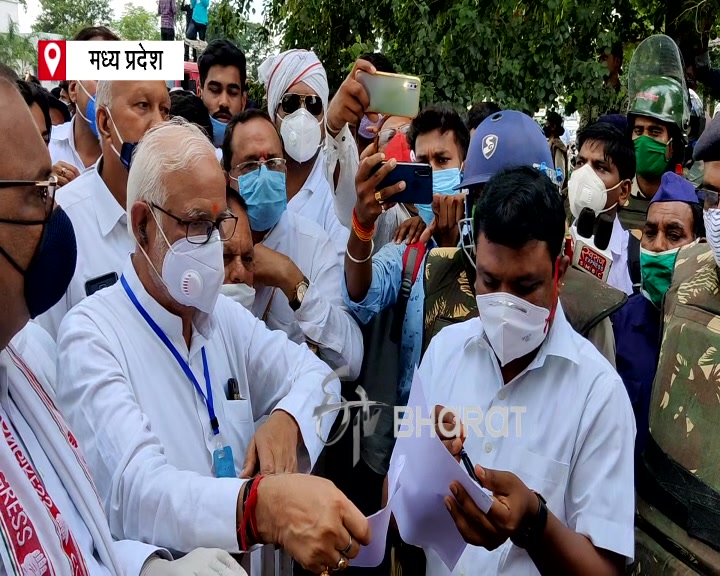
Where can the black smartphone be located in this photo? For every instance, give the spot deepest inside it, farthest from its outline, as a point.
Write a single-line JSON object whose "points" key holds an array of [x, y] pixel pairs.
{"points": [[95, 284], [418, 181]]}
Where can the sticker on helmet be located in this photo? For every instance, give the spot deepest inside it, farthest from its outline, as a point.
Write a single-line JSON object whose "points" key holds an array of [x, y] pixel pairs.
{"points": [[489, 145]]}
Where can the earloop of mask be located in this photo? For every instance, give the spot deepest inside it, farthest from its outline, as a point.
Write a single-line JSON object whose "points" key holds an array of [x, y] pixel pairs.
{"points": [[556, 274]]}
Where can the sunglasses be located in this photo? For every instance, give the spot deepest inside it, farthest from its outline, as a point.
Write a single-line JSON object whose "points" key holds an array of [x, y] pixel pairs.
{"points": [[292, 102]]}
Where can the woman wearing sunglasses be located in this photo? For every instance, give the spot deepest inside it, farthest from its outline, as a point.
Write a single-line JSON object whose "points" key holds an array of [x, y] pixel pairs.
{"points": [[297, 93]]}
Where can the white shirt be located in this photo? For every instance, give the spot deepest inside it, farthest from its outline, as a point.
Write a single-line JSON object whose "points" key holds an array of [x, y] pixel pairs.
{"points": [[314, 201], [575, 439], [619, 276], [145, 430], [62, 145], [322, 317], [103, 241], [38, 351]]}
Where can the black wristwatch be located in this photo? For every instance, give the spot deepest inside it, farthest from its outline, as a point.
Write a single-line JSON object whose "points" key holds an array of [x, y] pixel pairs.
{"points": [[300, 290], [532, 531]]}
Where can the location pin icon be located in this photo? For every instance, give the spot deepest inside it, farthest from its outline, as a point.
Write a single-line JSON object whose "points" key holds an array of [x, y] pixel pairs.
{"points": [[52, 56]]}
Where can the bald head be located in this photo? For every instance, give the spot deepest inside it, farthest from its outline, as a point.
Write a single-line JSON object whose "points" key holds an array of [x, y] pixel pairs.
{"points": [[25, 155]]}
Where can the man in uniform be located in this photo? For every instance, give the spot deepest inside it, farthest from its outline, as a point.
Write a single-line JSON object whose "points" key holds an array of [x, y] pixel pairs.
{"points": [[678, 482], [658, 121]]}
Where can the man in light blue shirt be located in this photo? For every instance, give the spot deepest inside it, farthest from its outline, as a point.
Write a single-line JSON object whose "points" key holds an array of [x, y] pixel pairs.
{"points": [[198, 22], [438, 136]]}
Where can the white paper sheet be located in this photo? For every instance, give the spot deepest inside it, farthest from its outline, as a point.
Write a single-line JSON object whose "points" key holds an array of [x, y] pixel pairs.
{"points": [[424, 470]]}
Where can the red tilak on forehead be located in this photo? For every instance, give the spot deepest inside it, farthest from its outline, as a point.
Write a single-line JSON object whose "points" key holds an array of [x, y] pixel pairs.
{"points": [[215, 208]]}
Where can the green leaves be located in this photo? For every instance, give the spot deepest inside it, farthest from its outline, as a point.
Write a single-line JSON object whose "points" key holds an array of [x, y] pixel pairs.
{"points": [[17, 50], [137, 23], [66, 17]]}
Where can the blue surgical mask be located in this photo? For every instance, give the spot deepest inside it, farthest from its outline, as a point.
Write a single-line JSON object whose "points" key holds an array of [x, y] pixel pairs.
{"points": [[89, 115], [218, 131], [444, 182], [264, 192], [126, 148]]}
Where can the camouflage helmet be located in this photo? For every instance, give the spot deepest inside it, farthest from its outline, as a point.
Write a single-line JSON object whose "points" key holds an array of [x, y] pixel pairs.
{"points": [[661, 98]]}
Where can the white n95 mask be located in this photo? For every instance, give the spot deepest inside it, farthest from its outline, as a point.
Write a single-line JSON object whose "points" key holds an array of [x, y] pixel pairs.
{"points": [[587, 190], [240, 293], [194, 273], [301, 135], [513, 326]]}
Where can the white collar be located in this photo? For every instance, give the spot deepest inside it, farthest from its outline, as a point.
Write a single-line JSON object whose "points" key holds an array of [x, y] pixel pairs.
{"points": [[618, 238], [316, 179], [107, 209]]}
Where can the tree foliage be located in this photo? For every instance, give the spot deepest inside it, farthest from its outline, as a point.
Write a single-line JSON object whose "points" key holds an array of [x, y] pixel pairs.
{"points": [[66, 17], [17, 50], [137, 23], [525, 54], [227, 20]]}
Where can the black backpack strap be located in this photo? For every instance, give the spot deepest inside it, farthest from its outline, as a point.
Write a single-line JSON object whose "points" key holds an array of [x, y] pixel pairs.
{"points": [[633, 262]]}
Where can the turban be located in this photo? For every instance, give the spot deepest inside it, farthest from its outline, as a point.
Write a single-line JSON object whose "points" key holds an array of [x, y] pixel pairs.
{"points": [[280, 73]]}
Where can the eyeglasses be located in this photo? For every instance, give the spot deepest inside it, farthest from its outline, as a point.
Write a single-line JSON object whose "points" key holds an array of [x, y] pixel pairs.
{"points": [[709, 198], [272, 164], [42, 197], [291, 102], [200, 231], [387, 134]]}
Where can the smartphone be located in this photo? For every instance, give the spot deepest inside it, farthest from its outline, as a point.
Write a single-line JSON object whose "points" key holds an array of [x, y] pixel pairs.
{"points": [[392, 94], [418, 181], [95, 284]]}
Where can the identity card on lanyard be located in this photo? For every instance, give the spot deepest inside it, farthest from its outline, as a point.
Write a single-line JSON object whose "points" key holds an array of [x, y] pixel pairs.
{"points": [[223, 461]]}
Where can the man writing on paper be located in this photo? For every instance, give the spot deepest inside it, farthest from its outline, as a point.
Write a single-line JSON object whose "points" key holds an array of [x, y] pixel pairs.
{"points": [[561, 467], [164, 380], [51, 519]]}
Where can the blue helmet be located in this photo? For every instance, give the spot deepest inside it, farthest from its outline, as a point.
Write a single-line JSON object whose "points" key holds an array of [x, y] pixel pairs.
{"points": [[507, 139]]}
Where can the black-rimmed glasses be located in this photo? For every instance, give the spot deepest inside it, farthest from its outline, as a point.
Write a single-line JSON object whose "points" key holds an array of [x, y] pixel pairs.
{"points": [[199, 231], [272, 164], [291, 102], [43, 197]]}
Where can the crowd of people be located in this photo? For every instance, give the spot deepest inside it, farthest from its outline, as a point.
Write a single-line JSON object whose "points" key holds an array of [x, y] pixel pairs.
{"points": [[185, 280]]}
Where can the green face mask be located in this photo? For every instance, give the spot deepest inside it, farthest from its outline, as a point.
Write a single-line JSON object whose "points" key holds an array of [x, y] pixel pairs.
{"points": [[651, 157], [656, 269]]}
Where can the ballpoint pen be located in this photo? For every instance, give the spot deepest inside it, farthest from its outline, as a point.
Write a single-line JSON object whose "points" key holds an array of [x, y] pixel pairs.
{"points": [[469, 466]]}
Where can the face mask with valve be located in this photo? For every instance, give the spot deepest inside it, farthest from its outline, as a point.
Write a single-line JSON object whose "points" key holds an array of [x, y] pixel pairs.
{"points": [[192, 273], [301, 135]]}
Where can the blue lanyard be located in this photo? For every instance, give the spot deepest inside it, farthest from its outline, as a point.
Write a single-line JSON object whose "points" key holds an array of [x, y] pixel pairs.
{"points": [[184, 365]]}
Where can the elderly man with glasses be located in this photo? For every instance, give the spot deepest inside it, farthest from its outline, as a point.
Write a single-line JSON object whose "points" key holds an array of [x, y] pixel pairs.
{"points": [[163, 380], [297, 274]]}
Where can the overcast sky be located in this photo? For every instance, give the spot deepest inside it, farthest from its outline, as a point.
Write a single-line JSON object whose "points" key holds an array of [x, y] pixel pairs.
{"points": [[27, 18]]}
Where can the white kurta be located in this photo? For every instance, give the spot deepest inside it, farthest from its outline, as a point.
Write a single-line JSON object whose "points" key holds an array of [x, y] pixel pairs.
{"points": [[564, 426], [146, 431], [314, 201], [43, 442], [62, 145], [103, 241], [322, 318]]}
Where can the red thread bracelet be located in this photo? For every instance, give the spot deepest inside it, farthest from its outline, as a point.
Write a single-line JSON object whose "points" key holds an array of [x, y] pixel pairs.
{"points": [[249, 516]]}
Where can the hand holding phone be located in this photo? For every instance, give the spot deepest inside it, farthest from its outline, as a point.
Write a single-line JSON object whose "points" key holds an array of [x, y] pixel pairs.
{"points": [[391, 94], [418, 182]]}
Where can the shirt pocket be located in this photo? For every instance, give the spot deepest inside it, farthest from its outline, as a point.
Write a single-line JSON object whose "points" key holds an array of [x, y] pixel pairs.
{"points": [[237, 411], [542, 474]]}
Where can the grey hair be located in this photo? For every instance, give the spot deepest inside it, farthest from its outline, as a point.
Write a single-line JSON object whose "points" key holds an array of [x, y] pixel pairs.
{"points": [[103, 94], [167, 147]]}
